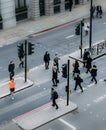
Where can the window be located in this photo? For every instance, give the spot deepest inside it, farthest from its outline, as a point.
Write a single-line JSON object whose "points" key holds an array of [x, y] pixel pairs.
{"points": [[57, 2], [20, 3]]}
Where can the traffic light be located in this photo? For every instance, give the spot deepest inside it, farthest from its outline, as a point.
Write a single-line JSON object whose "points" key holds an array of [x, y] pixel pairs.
{"points": [[67, 90], [77, 30], [64, 70], [30, 48], [20, 50]]}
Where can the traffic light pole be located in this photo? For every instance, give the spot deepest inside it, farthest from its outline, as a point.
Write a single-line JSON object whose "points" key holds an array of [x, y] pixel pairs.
{"points": [[25, 60], [81, 38], [68, 69], [90, 36]]}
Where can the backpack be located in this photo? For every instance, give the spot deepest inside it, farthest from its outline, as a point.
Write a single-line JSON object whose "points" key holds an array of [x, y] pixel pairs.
{"points": [[55, 95]]}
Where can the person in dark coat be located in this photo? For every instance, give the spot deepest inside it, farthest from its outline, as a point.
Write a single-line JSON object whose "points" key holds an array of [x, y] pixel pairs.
{"points": [[11, 68], [88, 63], [56, 60], [46, 59], [94, 73], [99, 11], [78, 81], [54, 74], [54, 97], [76, 68], [85, 56]]}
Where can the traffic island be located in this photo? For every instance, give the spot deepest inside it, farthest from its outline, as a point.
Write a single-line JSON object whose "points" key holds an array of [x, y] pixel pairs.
{"points": [[44, 114], [20, 85]]}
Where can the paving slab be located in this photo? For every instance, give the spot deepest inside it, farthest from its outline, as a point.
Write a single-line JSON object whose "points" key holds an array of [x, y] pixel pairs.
{"points": [[20, 84], [44, 114]]}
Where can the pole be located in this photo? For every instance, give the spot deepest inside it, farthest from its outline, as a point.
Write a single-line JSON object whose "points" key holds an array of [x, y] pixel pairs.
{"points": [[25, 60], [81, 38], [90, 36], [68, 65]]}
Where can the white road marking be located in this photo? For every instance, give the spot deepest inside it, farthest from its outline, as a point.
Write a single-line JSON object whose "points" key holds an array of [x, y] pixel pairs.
{"points": [[100, 99], [66, 123], [70, 36]]}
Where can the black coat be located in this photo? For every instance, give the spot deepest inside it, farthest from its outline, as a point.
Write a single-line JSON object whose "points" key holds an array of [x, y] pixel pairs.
{"points": [[78, 80], [89, 62], [46, 58], [11, 67], [94, 71]]}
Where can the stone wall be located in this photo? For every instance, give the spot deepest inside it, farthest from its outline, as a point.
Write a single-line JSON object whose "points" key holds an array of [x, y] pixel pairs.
{"points": [[33, 9], [8, 13]]}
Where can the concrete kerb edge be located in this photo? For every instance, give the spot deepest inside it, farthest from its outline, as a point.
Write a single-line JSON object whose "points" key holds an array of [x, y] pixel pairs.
{"points": [[48, 121], [18, 90]]}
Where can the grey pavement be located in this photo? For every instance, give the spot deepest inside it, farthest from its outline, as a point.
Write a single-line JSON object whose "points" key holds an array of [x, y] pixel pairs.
{"points": [[33, 119], [26, 28]]}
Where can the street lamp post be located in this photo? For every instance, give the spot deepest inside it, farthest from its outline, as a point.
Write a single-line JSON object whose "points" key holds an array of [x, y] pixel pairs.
{"points": [[90, 35]]}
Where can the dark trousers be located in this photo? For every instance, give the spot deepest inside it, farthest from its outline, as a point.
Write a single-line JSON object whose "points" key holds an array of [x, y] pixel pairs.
{"points": [[88, 70], [46, 65], [54, 80], [11, 75], [76, 84], [94, 78], [21, 64], [54, 102]]}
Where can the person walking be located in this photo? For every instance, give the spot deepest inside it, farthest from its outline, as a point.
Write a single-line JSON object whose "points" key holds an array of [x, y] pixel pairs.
{"points": [[54, 96], [86, 28], [94, 73], [56, 60], [85, 56], [88, 63], [11, 68], [46, 59], [54, 74], [22, 62], [76, 68], [12, 85], [78, 81]]}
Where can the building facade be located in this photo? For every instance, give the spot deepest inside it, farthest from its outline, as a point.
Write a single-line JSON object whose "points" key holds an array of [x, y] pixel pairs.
{"points": [[12, 11]]}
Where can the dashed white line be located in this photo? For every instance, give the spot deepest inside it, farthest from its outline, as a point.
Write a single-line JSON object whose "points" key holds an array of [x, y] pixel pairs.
{"points": [[66, 123], [70, 36]]}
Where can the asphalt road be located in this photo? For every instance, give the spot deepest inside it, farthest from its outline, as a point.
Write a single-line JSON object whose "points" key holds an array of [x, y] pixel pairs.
{"points": [[90, 115], [63, 41]]}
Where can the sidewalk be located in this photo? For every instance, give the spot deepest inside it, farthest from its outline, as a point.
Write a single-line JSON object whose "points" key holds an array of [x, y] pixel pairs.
{"points": [[29, 27], [33, 119]]}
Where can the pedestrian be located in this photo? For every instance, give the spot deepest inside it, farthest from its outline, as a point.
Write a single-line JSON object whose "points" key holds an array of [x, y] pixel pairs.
{"points": [[70, 4], [76, 68], [94, 73], [93, 10], [78, 81], [56, 60], [86, 28], [12, 85], [22, 62], [99, 11], [46, 59], [54, 74], [88, 63], [54, 96], [85, 56], [11, 68]]}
